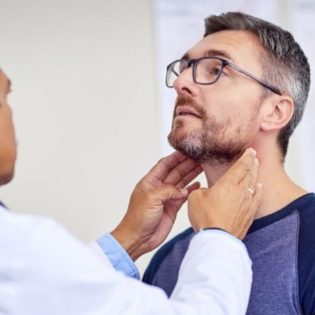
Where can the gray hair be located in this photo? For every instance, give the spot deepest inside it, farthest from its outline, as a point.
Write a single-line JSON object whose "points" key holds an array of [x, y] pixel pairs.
{"points": [[284, 62]]}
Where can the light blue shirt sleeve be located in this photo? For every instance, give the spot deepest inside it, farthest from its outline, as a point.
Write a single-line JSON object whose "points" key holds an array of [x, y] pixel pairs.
{"points": [[117, 255]]}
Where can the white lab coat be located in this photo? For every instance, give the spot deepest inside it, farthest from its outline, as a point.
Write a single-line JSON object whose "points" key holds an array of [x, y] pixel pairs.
{"points": [[46, 271]]}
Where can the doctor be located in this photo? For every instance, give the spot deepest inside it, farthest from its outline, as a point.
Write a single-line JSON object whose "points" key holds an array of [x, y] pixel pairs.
{"points": [[45, 270]]}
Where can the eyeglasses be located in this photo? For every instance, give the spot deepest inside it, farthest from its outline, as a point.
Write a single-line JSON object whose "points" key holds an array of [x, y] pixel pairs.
{"points": [[207, 70]]}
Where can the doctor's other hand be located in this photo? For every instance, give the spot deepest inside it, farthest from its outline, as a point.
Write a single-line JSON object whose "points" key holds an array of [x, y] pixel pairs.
{"points": [[231, 203], [155, 202]]}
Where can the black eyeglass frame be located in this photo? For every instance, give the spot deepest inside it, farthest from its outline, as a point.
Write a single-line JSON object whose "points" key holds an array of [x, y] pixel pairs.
{"points": [[224, 63]]}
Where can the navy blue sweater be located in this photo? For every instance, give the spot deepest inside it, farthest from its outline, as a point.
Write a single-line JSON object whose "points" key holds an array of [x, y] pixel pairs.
{"points": [[282, 248]]}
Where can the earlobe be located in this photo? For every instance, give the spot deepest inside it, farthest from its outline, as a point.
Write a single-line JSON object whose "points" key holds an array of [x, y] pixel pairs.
{"points": [[277, 113]]}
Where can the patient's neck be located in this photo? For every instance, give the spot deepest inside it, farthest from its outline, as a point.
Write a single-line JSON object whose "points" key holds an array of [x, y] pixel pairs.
{"points": [[278, 189]]}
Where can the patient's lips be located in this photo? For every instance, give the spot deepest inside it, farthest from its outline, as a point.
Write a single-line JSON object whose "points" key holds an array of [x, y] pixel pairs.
{"points": [[186, 111]]}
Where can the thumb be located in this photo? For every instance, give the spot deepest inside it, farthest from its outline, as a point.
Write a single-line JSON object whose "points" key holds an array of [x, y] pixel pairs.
{"points": [[169, 192]]}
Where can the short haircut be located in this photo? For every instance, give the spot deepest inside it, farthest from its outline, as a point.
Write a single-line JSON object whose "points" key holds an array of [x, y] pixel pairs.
{"points": [[284, 62]]}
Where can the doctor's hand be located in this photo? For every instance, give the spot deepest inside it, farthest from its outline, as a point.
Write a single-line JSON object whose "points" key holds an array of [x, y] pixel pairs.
{"points": [[155, 202], [231, 203]]}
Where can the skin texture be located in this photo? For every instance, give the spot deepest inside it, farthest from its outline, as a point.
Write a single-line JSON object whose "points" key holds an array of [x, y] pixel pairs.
{"points": [[233, 114], [231, 202], [7, 134], [228, 111], [155, 202], [159, 195]]}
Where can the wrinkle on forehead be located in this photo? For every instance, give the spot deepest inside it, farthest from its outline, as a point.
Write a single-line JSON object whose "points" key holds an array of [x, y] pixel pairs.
{"points": [[213, 53], [240, 47]]}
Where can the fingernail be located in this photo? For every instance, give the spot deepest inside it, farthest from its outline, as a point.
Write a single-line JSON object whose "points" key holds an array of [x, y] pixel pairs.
{"points": [[252, 151]]}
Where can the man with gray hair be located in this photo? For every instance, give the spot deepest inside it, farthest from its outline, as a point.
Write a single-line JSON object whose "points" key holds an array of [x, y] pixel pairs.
{"points": [[245, 84]]}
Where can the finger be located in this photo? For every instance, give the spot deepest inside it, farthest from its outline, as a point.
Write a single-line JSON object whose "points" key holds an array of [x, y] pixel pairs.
{"points": [[251, 211], [165, 165], [180, 171], [242, 166], [254, 175], [189, 177], [250, 178], [251, 190], [176, 206], [182, 175], [193, 187], [169, 192], [256, 198]]}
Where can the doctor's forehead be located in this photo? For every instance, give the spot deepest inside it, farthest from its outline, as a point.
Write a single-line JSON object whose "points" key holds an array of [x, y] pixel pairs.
{"points": [[5, 83]]}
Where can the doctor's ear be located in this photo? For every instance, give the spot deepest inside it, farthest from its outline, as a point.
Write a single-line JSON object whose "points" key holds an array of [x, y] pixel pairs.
{"points": [[277, 111]]}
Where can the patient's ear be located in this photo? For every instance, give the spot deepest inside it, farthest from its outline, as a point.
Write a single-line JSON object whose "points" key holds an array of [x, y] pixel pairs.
{"points": [[276, 112]]}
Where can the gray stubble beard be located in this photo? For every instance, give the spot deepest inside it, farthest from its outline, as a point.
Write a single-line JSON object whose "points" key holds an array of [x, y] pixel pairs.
{"points": [[208, 145]]}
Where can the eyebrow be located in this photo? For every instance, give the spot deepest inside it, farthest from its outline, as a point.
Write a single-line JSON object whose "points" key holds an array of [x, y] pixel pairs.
{"points": [[219, 53], [212, 53]]}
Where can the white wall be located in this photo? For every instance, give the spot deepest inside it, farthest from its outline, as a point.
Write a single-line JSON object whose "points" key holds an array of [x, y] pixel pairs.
{"points": [[84, 107]]}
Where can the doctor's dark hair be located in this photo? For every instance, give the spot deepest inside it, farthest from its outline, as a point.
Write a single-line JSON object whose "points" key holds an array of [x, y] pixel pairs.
{"points": [[285, 64]]}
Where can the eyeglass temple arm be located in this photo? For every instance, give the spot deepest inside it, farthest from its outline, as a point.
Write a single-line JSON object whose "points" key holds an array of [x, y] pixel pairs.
{"points": [[266, 85]]}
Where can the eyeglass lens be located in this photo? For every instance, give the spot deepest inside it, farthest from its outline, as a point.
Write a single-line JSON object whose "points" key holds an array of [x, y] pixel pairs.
{"points": [[205, 71]]}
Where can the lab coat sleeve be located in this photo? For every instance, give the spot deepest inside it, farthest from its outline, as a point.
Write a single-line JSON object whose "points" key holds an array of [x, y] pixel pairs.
{"points": [[56, 274], [226, 287]]}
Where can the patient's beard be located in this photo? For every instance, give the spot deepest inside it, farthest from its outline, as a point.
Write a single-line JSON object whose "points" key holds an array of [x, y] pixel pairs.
{"points": [[210, 142]]}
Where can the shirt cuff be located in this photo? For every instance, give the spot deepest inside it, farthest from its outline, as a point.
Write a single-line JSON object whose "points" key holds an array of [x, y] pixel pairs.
{"points": [[117, 255]]}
